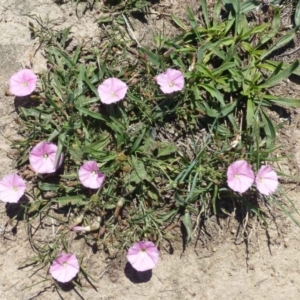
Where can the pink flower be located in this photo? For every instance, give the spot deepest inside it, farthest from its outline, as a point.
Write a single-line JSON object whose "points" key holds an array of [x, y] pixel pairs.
{"points": [[42, 158], [12, 188], [170, 81], [112, 90], [22, 83], [240, 176], [90, 176], [65, 267], [143, 256], [266, 180]]}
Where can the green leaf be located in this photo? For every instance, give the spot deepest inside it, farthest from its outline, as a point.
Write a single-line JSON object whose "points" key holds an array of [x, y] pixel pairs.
{"points": [[269, 130], [283, 101], [250, 113], [274, 27], [249, 5], [271, 65], [274, 79], [205, 12], [187, 222], [214, 92], [92, 114], [217, 12], [153, 58], [36, 205], [228, 108], [138, 141], [91, 86], [74, 200], [286, 38], [165, 148], [139, 172], [179, 23], [297, 14], [191, 18], [48, 186]]}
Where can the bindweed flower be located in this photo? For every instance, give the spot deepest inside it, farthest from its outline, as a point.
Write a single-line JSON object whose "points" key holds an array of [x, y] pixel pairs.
{"points": [[240, 176], [90, 176], [12, 188], [22, 83], [143, 256], [112, 90], [266, 180], [170, 81], [65, 267], [42, 158]]}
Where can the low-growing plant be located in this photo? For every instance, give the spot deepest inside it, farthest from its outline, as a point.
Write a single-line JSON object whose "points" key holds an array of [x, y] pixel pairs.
{"points": [[164, 150]]}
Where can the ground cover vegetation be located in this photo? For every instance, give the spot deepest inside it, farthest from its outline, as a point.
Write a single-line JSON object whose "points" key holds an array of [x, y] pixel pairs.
{"points": [[142, 140]]}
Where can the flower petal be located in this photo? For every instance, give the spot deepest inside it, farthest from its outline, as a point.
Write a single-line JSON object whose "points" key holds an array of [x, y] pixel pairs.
{"points": [[22, 83], [112, 90], [143, 256], [240, 176], [266, 180]]}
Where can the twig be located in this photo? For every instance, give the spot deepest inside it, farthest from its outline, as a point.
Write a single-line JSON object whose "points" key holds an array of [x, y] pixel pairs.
{"points": [[130, 30]]}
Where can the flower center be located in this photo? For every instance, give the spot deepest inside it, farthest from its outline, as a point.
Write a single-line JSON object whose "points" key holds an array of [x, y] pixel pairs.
{"points": [[236, 175], [143, 250], [25, 84], [15, 188], [93, 172], [171, 84], [45, 155], [113, 94], [64, 264]]}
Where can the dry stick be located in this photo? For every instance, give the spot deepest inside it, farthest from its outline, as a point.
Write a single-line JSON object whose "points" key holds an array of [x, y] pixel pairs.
{"points": [[131, 31]]}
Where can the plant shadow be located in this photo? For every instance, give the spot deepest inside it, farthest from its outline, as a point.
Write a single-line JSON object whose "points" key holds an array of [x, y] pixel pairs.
{"points": [[135, 276]]}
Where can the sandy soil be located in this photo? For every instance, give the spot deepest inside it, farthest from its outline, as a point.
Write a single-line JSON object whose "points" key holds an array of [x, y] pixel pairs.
{"points": [[220, 265]]}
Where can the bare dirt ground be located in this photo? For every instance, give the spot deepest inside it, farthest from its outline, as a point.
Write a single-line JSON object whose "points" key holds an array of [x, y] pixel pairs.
{"points": [[220, 266]]}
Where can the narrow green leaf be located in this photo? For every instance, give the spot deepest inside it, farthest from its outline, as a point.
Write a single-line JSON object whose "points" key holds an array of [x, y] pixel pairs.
{"points": [[269, 130], [49, 98], [214, 92], [76, 54], [248, 5], [74, 200], [283, 101], [274, 27], [286, 38], [178, 22], [205, 12], [187, 222], [228, 108], [271, 65], [92, 114], [153, 58], [48, 186], [250, 113], [191, 18], [280, 75], [217, 12], [138, 141], [297, 14], [91, 86]]}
